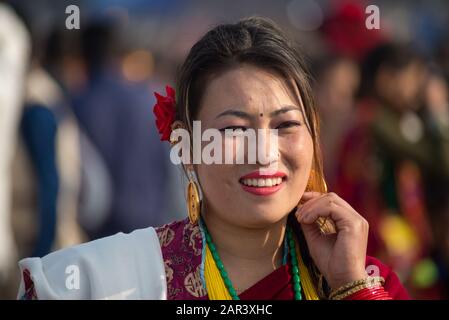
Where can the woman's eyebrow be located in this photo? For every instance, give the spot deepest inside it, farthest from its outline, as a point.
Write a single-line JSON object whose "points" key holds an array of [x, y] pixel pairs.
{"points": [[244, 115], [284, 109], [235, 113]]}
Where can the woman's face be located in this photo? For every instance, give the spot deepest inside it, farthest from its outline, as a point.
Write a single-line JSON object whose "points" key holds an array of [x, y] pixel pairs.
{"points": [[249, 97]]}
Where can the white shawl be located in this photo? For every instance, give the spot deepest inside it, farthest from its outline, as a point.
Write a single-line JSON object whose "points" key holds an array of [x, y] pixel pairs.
{"points": [[122, 266]]}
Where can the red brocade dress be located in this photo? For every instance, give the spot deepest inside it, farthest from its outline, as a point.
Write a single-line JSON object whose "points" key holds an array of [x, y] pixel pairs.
{"points": [[182, 251]]}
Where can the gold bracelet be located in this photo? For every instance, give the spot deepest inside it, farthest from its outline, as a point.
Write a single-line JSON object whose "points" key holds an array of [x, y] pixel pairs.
{"points": [[356, 286], [360, 284], [354, 290]]}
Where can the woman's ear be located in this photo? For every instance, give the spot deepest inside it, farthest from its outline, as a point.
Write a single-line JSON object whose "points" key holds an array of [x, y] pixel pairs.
{"points": [[182, 138], [177, 125]]}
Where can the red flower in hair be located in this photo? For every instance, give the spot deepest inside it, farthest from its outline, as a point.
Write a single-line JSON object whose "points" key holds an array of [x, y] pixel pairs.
{"points": [[164, 110]]}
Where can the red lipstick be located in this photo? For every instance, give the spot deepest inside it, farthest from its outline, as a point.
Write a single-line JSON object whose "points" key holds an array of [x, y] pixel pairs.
{"points": [[265, 190]]}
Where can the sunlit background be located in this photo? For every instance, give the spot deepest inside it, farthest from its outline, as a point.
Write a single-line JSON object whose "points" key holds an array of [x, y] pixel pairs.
{"points": [[80, 157]]}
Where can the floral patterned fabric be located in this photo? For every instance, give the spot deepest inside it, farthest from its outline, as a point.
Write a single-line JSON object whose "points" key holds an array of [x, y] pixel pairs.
{"points": [[182, 244]]}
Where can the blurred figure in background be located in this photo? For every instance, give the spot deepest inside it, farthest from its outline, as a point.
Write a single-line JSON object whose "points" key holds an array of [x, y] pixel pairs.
{"points": [[387, 160], [87, 183], [46, 164], [116, 115], [442, 57], [345, 32], [48, 161], [337, 81], [14, 58], [346, 42], [436, 114]]}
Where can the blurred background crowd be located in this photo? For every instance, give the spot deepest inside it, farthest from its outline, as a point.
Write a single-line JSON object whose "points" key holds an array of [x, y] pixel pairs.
{"points": [[80, 157]]}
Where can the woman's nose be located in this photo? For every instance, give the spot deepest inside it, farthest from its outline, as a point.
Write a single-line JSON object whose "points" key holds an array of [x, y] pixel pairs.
{"points": [[267, 147]]}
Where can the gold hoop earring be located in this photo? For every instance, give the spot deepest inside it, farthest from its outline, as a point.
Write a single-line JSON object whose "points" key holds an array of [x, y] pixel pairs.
{"points": [[193, 201]]}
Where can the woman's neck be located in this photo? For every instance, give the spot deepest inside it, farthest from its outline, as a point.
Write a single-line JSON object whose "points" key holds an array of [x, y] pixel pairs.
{"points": [[248, 254]]}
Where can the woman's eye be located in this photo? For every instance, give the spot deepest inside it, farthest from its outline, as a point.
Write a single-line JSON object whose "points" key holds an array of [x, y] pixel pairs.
{"points": [[233, 128], [288, 124]]}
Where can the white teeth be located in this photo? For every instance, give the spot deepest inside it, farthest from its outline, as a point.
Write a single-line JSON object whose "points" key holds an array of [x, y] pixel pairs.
{"points": [[269, 182]]}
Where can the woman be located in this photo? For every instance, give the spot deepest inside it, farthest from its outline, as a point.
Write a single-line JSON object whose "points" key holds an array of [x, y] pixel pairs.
{"points": [[247, 238]]}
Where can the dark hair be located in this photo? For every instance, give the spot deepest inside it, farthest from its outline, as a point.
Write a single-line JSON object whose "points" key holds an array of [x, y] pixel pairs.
{"points": [[256, 41], [393, 56]]}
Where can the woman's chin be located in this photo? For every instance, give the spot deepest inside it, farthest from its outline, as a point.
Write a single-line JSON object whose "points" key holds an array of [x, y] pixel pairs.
{"points": [[261, 219], [274, 208]]}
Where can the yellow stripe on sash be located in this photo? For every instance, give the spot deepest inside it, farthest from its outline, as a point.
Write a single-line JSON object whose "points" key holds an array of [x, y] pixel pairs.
{"points": [[216, 288]]}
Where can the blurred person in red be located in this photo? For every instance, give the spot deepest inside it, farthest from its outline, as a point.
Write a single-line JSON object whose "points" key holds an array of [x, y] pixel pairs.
{"points": [[344, 30], [388, 158], [346, 41]]}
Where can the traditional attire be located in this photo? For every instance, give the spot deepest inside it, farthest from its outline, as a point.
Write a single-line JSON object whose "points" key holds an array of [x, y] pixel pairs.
{"points": [[162, 263]]}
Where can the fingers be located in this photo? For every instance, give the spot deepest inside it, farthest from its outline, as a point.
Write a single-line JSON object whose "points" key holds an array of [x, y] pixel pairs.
{"points": [[331, 206], [310, 195], [330, 210], [307, 196], [312, 199]]}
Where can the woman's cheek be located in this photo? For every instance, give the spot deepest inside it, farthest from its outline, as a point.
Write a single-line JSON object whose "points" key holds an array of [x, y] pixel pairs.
{"points": [[216, 177], [297, 148]]}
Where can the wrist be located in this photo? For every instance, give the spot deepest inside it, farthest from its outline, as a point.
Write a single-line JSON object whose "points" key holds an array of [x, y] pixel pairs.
{"points": [[338, 282]]}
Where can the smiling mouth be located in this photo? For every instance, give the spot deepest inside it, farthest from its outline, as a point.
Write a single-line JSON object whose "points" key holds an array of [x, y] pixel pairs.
{"points": [[262, 182], [263, 185]]}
